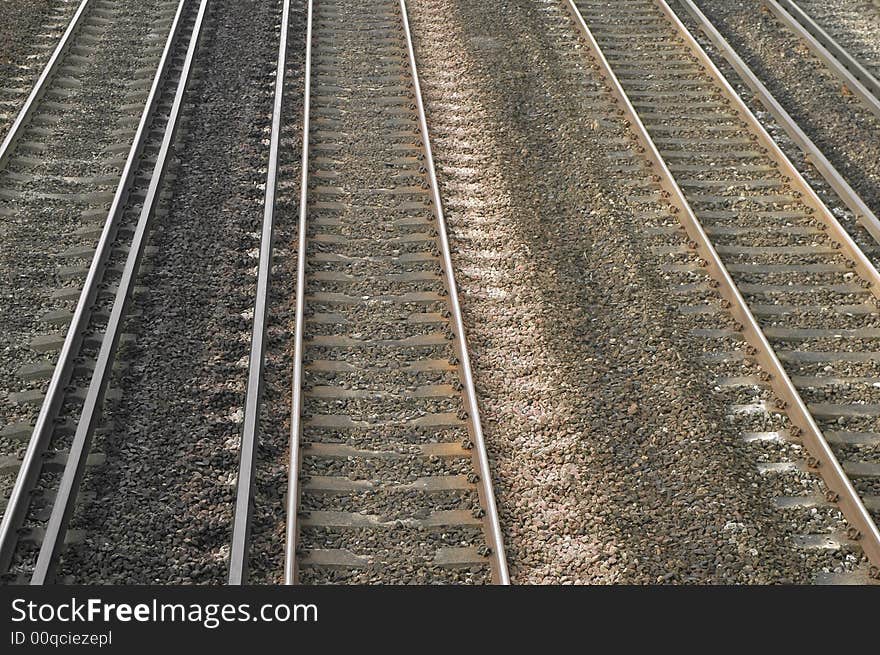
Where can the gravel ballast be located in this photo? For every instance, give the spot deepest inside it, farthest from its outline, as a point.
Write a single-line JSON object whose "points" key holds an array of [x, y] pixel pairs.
{"points": [[614, 459]]}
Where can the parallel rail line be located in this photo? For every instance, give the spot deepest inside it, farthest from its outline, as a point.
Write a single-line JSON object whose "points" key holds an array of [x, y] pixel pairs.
{"points": [[780, 246], [66, 423], [388, 469]]}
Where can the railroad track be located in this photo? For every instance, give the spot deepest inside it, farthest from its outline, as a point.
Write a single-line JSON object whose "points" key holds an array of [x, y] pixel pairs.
{"points": [[59, 164], [801, 294], [34, 527], [389, 476], [828, 32]]}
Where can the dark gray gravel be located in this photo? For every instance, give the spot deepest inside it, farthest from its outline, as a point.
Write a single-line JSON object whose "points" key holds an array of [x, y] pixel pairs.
{"points": [[614, 456], [163, 504]]}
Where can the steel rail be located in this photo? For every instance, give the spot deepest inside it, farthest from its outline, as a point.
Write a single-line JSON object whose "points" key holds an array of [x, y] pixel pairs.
{"points": [[41, 434], [811, 151], [486, 494], [292, 528], [42, 83], [238, 556], [859, 80], [804, 425], [89, 415]]}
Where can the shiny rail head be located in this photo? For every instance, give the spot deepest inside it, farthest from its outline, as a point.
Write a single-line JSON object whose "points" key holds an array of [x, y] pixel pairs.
{"points": [[292, 526]]}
